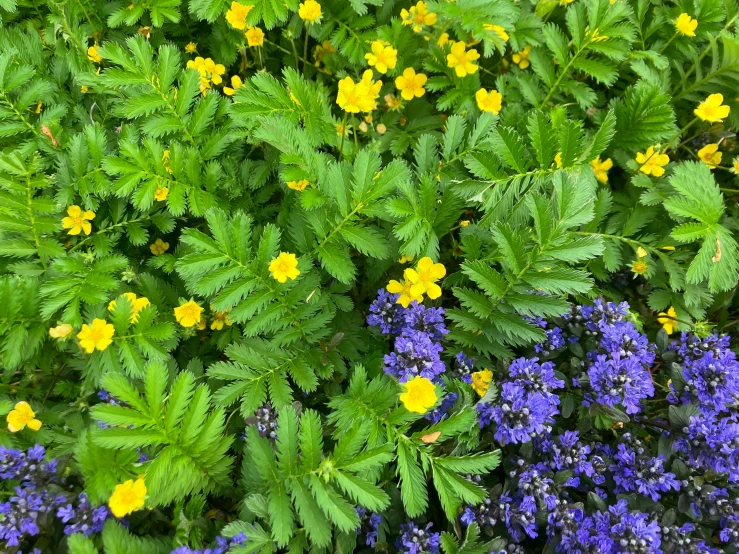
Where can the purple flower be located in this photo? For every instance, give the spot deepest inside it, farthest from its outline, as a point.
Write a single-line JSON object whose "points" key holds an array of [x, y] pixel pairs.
{"points": [[622, 340], [29, 468], [519, 520], [223, 545], [415, 355], [566, 452], [442, 410], [417, 540], [622, 381], [636, 470], [712, 380], [462, 368], [426, 320], [554, 341], [22, 512], [370, 524], [712, 443], [265, 419], [518, 416], [85, 518], [533, 377], [486, 515], [386, 313], [730, 529]]}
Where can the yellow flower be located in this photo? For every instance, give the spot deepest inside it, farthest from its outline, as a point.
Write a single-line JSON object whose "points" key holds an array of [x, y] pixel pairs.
{"points": [[381, 128], [735, 166], [202, 324], [84, 89], [404, 291], [137, 304], [500, 31], [235, 84], [424, 278], [127, 497], [481, 381], [210, 72], [392, 102], [298, 185], [284, 267], [358, 97], [419, 395], [558, 159], [461, 59], [382, 57], [489, 101], [92, 54], [419, 16], [161, 193], [405, 259], [98, 335], [191, 48], [639, 267], [686, 25], [188, 314], [61, 331], [641, 253], [309, 11], [236, 16], [710, 155], [78, 221], [711, 109], [443, 39], [254, 36], [668, 320], [521, 59], [20, 416], [601, 168], [410, 85], [652, 163], [219, 320], [159, 247], [565, 2], [464, 223]]}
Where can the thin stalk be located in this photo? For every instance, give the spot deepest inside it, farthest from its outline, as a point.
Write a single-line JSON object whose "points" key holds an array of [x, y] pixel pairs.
{"points": [[343, 134]]}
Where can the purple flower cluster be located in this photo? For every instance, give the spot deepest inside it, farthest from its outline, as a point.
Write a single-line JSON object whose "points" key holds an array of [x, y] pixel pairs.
{"points": [[462, 368], [386, 313], [554, 337], [222, 546], [24, 512], [370, 524], [636, 470], [265, 419], [27, 467], [415, 354], [84, 518], [417, 540], [442, 410], [567, 453], [616, 380]]}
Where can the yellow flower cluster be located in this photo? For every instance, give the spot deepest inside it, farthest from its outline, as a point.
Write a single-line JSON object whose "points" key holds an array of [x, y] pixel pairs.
{"points": [[137, 304], [521, 59], [358, 97], [418, 16], [284, 267], [210, 72], [78, 221], [417, 282], [159, 247], [220, 319]]}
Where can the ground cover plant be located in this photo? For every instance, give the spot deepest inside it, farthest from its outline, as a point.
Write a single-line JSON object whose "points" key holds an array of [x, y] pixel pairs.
{"points": [[348, 276]]}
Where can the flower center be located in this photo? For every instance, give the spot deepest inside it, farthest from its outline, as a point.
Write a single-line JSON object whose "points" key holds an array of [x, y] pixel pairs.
{"points": [[95, 335]]}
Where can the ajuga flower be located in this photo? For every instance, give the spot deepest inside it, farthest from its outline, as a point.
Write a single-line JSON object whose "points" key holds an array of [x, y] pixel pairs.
{"points": [[460, 59], [127, 497], [712, 109], [188, 314], [382, 57], [651, 162], [22, 415], [686, 25], [99, 334], [418, 16], [415, 354], [78, 221], [411, 84], [284, 267], [386, 314], [489, 101], [84, 518]]}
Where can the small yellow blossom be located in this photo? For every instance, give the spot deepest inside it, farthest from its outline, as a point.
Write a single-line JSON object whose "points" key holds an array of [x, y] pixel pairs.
{"points": [[382, 57], [668, 320], [254, 36], [78, 221], [137, 304], [210, 72], [461, 59], [639, 267], [489, 101], [641, 252], [39, 105], [418, 16], [405, 259], [411, 84], [558, 159], [521, 59], [424, 277], [404, 291], [84, 89], [601, 168], [498, 30], [481, 381], [710, 155], [202, 324], [159, 247], [188, 314], [236, 16], [92, 54], [298, 185], [236, 83], [99, 334], [219, 320], [127, 497], [443, 39], [651, 162], [686, 25], [22, 415], [735, 165], [392, 102], [61, 331], [712, 110], [464, 223], [309, 11], [419, 395], [284, 267], [161, 193], [191, 48]]}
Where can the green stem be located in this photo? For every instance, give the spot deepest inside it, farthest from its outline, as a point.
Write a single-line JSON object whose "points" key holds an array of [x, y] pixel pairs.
{"points": [[295, 53], [343, 134], [305, 49], [668, 42], [354, 134]]}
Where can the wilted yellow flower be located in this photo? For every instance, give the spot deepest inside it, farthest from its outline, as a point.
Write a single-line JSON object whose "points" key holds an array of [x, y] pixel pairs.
{"points": [[188, 314], [405, 259], [641, 253], [443, 39], [712, 109], [419, 16], [309, 11], [127, 497], [489, 101], [298, 185], [236, 16], [652, 163], [639, 267], [159, 247], [601, 168], [254, 36], [61, 331], [461, 59], [500, 31], [668, 320], [481, 381], [137, 304], [191, 48], [735, 165], [99, 334], [78, 221], [22, 415], [381, 128], [92, 54], [710, 155], [521, 59], [392, 102], [382, 57], [686, 25], [235, 84], [419, 395], [219, 320], [411, 84], [284, 267]]}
